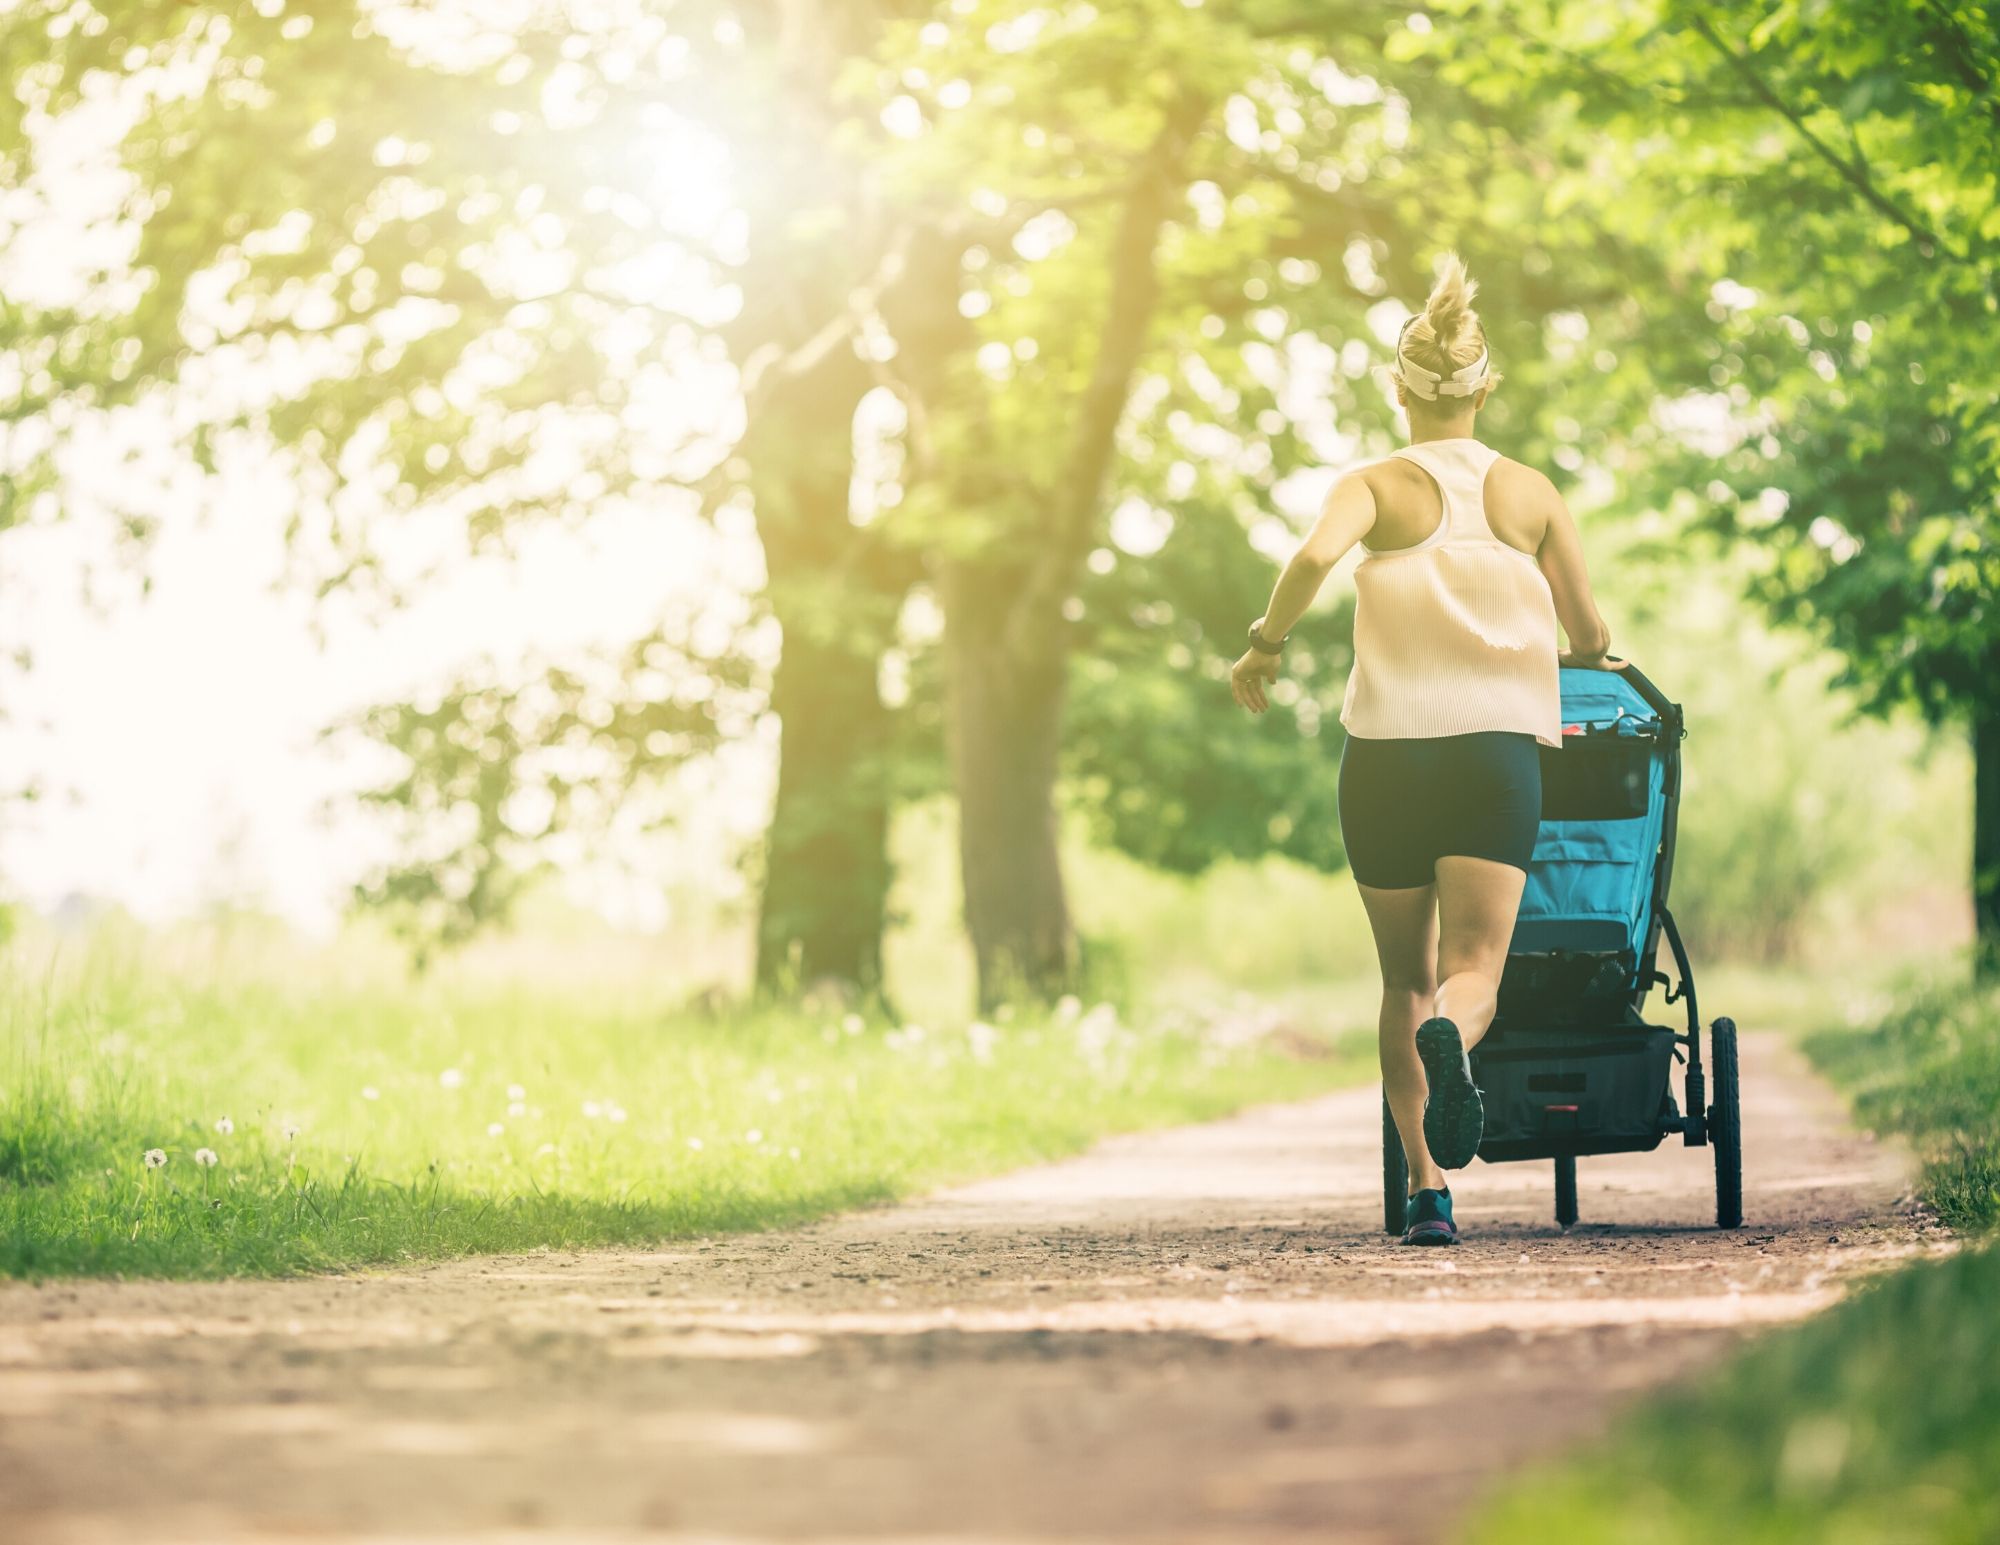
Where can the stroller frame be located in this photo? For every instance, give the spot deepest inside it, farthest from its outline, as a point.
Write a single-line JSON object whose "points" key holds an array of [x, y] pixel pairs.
{"points": [[1607, 1054]]}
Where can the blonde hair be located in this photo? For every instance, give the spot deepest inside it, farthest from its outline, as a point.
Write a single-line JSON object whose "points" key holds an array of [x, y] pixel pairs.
{"points": [[1443, 339]]}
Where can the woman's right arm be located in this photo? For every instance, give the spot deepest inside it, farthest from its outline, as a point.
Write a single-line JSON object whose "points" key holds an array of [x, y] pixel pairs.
{"points": [[1561, 560]]}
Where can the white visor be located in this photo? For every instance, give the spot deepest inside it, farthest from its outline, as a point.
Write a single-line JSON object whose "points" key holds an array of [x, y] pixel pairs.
{"points": [[1430, 385]]}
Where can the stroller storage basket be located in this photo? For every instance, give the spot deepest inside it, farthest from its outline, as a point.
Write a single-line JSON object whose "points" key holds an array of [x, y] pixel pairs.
{"points": [[1553, 1092]]}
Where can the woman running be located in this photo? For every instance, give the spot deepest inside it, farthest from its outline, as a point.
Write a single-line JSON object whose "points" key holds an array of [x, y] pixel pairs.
{"points": [[1468, 562]]}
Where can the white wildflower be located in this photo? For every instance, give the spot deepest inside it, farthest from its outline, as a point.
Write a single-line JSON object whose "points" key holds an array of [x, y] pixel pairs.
{"points": [[545, 1150], [616, 1113], [494, 1129], [1097, 1030], [370, 1092], [592, 1109], [516, 1092], [225, 1126], [791, 1153], [451, 1078], [753, 1136], [517, 1108], [853, 1024], [291, 1131], [156, 1158], [205, 1157], [983, 1038], [1068, 1007], [695, 1144]]}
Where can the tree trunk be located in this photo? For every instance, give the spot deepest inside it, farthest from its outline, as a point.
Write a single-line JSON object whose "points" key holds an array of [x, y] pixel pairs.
{"points": [[1986, 840], [1005, 724], [1005, 634], [826, 881], [827, 872]]}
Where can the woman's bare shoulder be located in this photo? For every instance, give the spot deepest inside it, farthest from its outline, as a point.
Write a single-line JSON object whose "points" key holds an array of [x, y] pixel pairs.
{"points": [[1519, 483], [1392, 474], [1522, 504]]}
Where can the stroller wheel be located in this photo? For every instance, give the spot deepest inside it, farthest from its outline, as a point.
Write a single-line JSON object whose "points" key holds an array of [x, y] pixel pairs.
{"points": [[1725, 1125], [1566, 1190], [1395, 1175]]}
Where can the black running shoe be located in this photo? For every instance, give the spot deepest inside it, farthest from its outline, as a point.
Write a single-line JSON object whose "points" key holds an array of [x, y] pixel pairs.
{"points": [[1430, 1219], [1454, 1115]]}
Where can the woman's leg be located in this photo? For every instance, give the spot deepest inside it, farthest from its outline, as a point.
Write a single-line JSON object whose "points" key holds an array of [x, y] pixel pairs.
{"points": [[1404, 924], [1477, 902]]}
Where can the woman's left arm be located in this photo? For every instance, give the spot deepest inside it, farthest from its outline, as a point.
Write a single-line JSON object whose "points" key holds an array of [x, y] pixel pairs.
{"points": [[1347, 516]]}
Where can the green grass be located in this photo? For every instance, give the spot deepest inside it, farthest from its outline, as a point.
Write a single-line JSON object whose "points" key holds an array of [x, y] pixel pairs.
{"points": [[1877, 1423], [444, 1119], [1930, 1073]]}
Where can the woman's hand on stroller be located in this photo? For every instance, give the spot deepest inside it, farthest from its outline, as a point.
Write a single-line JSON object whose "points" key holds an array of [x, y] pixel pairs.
{"points": [[1249, 676], [1591, 662]]}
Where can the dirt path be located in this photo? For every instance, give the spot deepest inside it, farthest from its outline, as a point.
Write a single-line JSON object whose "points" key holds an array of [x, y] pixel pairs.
{"points": [[1195, 1335]]}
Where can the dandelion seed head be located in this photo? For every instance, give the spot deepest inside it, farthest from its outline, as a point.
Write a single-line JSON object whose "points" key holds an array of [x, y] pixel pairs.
{"points": [[616, 1113], [753, 1136], [545, 1150], [225, 1126], [370, 1092], [495, 1128], [451, 1078], [205, 1157], [693, 1142], [517, 1108], [853, 1024], [291, 1131], [516, 1092], [592, 1109], [156, 1158]]}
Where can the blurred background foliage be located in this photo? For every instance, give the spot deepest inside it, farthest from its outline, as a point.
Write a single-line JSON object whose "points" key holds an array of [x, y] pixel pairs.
{"points": [[1018, 341]]}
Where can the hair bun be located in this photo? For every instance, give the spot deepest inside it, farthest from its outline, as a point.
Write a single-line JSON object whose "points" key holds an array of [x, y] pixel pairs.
{"points": [[1449, 308]]}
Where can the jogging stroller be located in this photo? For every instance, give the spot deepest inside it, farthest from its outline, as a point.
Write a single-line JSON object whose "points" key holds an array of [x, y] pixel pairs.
{"points": [[1570, 1067]]}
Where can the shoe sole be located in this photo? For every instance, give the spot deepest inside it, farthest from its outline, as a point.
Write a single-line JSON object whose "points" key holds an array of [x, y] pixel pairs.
{"points": [[1430, 1234], [1454, 1114]]}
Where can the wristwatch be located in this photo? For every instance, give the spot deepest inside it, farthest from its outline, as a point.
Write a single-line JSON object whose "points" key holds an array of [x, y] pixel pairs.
{"points": [[1262, 644]]}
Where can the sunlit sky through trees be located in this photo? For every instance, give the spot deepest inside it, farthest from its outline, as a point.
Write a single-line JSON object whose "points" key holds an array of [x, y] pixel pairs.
{"points": [[174, 733]]}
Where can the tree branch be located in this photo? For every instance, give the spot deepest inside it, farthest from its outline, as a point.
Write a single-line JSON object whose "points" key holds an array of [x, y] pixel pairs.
{"points": [[772, 364], [1135, 284], [1964, 59], [1855, 172]]}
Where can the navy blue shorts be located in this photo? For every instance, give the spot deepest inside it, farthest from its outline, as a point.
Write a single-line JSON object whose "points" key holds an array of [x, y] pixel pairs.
{"points": [[1404, 804]]}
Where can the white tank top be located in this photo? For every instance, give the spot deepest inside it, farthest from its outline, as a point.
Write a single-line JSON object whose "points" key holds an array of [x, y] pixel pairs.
{"points": [[1458, 633]]}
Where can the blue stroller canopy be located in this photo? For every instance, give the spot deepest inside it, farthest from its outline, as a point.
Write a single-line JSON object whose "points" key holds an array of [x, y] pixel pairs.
{"points": [[1605, 805]]}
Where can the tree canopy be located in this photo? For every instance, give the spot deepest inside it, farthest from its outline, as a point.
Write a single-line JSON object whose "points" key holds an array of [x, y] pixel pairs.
{"points": [[1011, 332]]}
